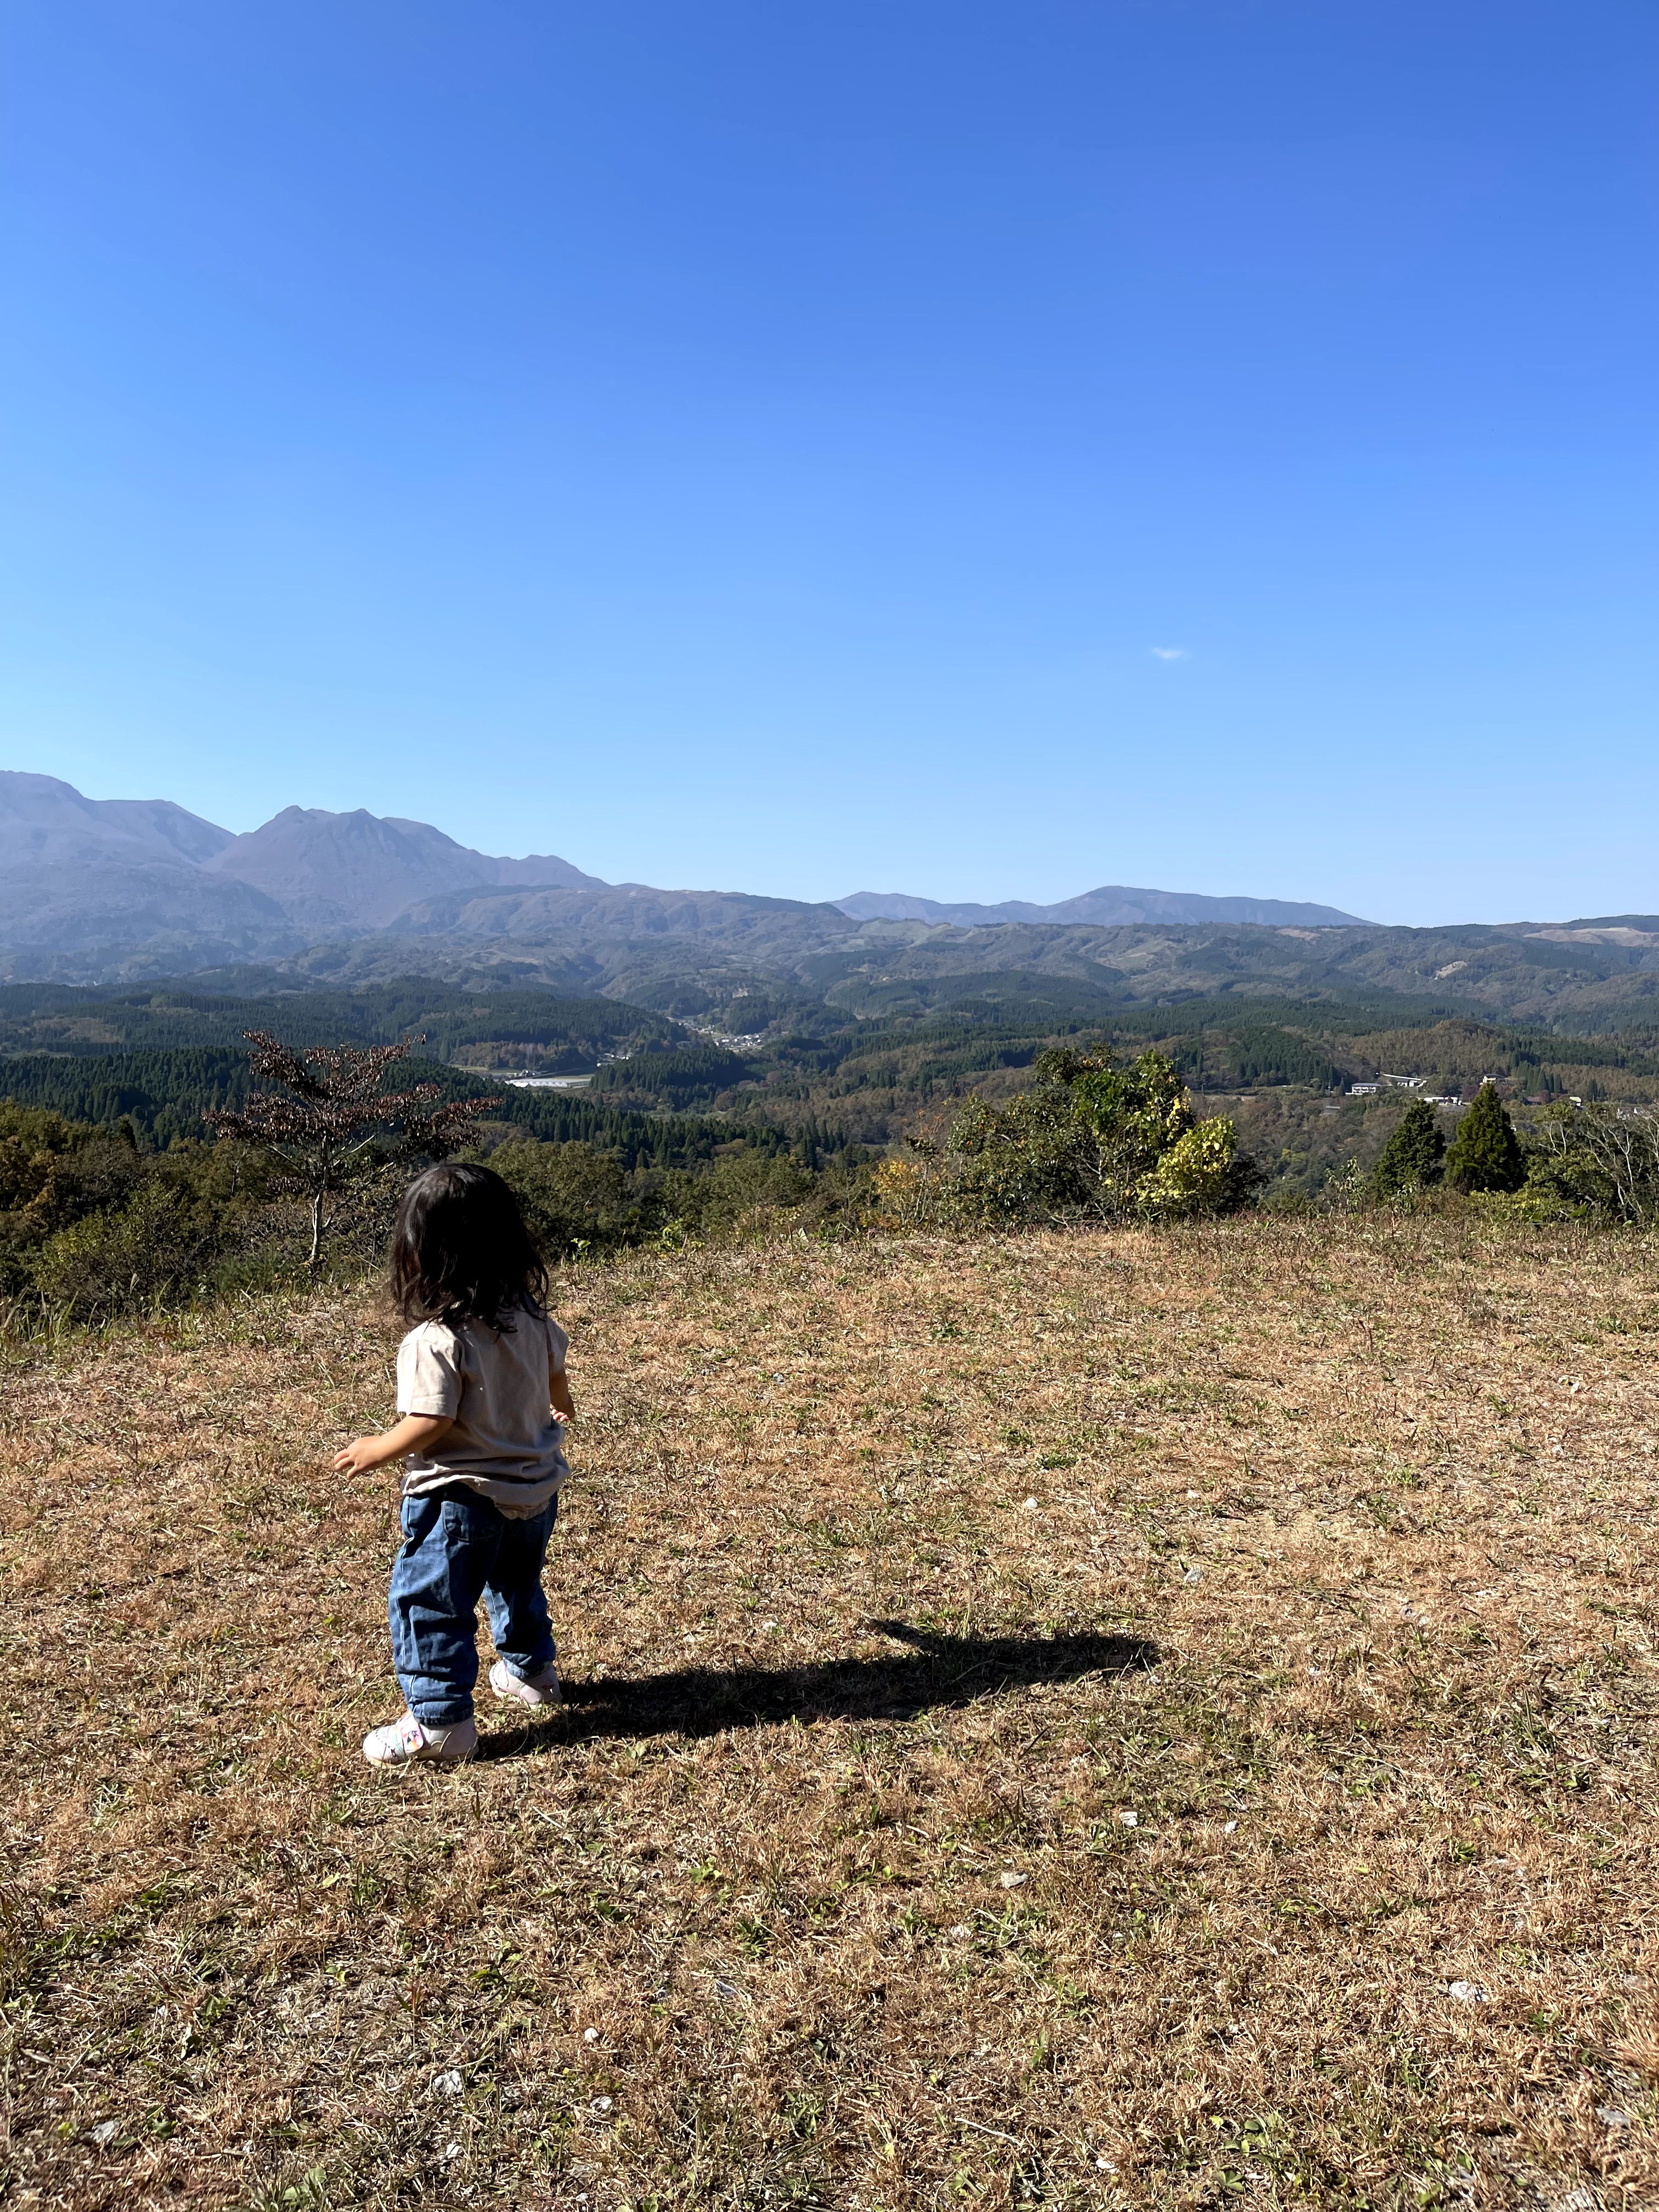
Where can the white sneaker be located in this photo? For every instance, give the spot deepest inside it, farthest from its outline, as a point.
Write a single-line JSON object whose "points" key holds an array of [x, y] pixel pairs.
{"points": [[541, 1689], [402, 1742]]}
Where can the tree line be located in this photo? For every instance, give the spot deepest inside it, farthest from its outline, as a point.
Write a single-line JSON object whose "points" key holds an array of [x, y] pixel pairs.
{"points": [[301, 1176], [1594, 1159]]}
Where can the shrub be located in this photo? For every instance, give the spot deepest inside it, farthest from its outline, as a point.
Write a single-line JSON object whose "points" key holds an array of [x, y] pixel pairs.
{"points": [[1088, 1140], [154, 1251], [53, 1173], [907, 1191], [744, 1194], [745, 1183], [1595, 1159], [571, 1196], [576, 1198], [1198, 1173]]}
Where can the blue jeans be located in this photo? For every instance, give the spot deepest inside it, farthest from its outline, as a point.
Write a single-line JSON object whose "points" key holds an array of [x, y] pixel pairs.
{"points": [[457, 1549]]}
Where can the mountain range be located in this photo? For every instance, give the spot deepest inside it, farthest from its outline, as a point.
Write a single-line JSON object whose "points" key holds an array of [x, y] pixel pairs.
{"points": [[129, 891], [1114, 906], [86, 883]]}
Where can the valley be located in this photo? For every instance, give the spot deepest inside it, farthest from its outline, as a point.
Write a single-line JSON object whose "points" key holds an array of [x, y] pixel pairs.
{"points": [[140, 942], [815, 1079]]}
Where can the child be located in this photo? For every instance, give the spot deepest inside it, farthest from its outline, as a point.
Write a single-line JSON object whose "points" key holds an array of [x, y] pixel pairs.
{"points": [[482, 1389]]}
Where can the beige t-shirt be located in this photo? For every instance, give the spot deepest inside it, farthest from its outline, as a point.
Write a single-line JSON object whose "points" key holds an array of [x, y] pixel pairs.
{"points": [[493, 1385]]}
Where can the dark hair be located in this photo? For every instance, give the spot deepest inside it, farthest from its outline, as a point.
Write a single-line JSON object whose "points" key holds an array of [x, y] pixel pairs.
{"points": [[460, 1251]]}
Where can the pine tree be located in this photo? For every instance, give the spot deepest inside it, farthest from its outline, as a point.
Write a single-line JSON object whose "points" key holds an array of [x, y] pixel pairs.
{"points": [[1413, 1156], [1485, 1153]]}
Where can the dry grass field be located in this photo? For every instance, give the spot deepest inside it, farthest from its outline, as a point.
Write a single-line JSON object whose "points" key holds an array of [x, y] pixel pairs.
{"points": [[1101, 1720]]}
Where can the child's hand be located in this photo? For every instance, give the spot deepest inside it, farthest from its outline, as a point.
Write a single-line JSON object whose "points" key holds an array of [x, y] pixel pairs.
{"points": [[558, 1389], [412, 1434], [358, 1457]]}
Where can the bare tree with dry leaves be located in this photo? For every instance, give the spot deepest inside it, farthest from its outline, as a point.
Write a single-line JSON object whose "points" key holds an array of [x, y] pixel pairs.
{"points": [[331, 1120]]}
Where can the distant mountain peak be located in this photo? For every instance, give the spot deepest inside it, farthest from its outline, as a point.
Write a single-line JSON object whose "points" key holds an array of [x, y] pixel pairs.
{"points": [[42, 817], [344, 873], [85, 882], [1113, 906]]}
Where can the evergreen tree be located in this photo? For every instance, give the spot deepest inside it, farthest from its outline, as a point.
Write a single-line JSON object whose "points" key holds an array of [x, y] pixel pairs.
{"points": [[1485, 1153], [1413, 1156]]}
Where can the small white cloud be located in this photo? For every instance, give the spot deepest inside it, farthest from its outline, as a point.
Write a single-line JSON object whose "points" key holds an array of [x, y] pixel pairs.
{"points": [[1168, 653]]}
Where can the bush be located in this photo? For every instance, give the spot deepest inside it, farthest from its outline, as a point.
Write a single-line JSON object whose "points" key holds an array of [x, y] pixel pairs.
{"points": [[572, 1196], [155, 1250], [1596, 1159], [745, 1191], [1088, 1140], [1200, 1173], [108, 1228], [52, 1172], [578, 1200]]}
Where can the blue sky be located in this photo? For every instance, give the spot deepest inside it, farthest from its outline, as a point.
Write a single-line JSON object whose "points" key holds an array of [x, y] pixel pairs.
{"points": [[984, 450]]}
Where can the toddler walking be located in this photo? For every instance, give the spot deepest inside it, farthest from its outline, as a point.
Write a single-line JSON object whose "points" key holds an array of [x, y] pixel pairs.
{"points": [[482, 1390]]}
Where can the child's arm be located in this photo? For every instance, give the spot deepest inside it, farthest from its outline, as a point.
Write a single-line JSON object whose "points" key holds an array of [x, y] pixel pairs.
{"points": [[558, 1390], [411, 1433]]}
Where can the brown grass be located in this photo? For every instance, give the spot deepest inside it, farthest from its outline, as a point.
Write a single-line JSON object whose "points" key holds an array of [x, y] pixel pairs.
{"points": [[790, 1910]]}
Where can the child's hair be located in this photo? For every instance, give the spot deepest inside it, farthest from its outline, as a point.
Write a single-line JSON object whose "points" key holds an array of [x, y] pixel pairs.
{"points": [[460, 1251]]}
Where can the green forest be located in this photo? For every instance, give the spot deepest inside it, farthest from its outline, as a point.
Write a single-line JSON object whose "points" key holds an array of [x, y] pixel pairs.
{"points": [[1019, 1099], [804, 1075]]}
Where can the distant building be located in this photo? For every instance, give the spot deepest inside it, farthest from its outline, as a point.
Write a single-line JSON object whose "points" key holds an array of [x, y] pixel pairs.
{"points": [[1405, 1082], [1363, 1089]]}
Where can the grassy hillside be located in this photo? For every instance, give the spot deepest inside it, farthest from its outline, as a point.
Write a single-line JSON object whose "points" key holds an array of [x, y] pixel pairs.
{"points": [[1130, 1720]]}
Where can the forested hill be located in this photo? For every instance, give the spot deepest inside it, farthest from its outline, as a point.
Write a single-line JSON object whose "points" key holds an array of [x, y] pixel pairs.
{"points": [[780, 1066], [698, 957], [1588, 974], [521, 1030], [115, 893]]}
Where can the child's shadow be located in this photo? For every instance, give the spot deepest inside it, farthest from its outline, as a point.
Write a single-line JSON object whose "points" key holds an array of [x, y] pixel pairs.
{"points": [[937, 1670]]}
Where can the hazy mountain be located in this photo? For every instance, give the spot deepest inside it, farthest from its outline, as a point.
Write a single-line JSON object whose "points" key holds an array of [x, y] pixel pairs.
{"points": [[681, 952], [112, 887], [623, 911], [694, 954], [129, 890], [112, 922], [334, 873], [84, 880], [1594, 976], [1114, 906], [44, 821]]}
